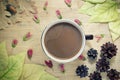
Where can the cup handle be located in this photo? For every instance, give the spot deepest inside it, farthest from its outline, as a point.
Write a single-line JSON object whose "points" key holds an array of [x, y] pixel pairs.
{"points": [[89, 37]]}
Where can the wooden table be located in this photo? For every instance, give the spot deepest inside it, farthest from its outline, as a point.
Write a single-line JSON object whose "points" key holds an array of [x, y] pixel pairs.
{"points": [[18, 30]]}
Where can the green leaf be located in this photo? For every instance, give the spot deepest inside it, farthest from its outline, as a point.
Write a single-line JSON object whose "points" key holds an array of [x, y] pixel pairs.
{"points": [[114, 36], [87, 8], [24, 38], [105, 12], [46, 76], [36, 72], [115, 26], [32, 71], [115, 29], [37, 21], [96, 1], [3, 56], [14, 69]]}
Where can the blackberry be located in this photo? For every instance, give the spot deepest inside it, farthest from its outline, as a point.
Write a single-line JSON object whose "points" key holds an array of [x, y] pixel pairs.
{"points": [[102, 65], [92, 53], [113, 74], [95, 76], [82, 71], [108, 50]]}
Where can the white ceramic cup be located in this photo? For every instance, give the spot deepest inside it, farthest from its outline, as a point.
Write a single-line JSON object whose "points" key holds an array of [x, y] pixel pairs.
{"points": [[58, 59]]}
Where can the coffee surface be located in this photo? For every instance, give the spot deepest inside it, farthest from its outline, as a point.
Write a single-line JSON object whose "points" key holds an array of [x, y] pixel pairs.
{"points": [[63, 40]]}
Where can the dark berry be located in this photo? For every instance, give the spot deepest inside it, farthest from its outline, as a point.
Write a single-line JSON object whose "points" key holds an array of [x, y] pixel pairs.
{"points": [[95, 76], [82, 71], [113, 74], [108, 50], [92, 53], [102, 65]]}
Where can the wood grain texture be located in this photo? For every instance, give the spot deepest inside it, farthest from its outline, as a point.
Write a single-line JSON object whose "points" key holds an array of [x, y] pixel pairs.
{"points": [[18, 30]]}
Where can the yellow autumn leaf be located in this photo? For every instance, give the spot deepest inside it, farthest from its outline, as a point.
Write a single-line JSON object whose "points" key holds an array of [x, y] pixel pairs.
{"points": [[3, 56], [14, 69], [36, 72]]}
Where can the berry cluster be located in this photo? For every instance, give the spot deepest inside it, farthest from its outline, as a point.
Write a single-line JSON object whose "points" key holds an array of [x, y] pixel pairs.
{"points": [[92, 54], [82, 71], [102, 65], [108, 50], [95, 76], [113, 74]]}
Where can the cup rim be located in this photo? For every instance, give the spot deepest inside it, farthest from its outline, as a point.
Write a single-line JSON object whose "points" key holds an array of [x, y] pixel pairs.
{"points": [[79, 27]]}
